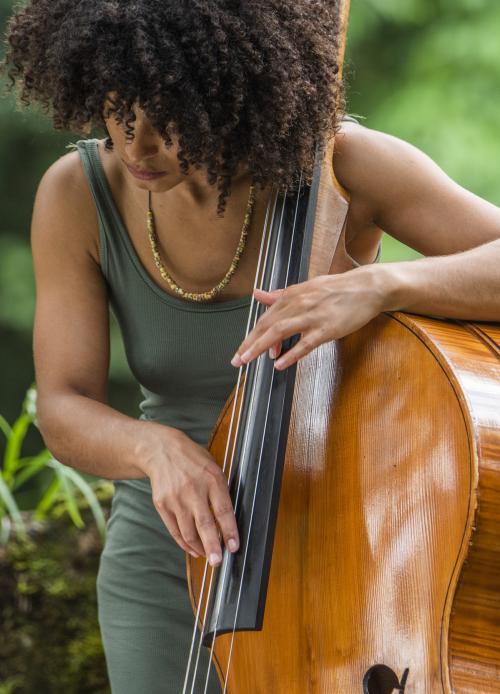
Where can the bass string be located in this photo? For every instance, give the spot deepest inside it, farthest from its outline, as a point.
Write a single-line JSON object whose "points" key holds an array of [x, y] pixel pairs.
{"points": [[250, 324], [252, 403], [196, 632], [226, 678], [217, 608]]}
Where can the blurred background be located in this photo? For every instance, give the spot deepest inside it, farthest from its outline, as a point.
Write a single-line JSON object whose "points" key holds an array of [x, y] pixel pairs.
{"points": [[427, 71]]}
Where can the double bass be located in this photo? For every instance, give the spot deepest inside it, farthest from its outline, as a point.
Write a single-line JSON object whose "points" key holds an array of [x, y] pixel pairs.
{"points": [[366, 486]]}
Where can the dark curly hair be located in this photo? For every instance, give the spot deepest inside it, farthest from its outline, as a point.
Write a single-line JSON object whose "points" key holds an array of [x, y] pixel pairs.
{"points": [[237, 81]]}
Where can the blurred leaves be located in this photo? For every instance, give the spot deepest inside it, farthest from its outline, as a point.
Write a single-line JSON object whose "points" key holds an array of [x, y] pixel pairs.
{"points": [[428, 71], [65, 490]]}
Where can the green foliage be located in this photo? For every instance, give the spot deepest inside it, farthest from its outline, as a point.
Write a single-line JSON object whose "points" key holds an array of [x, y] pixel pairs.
{"points": [[50, 636], [64, 489], [17, 307], [428, 71]]}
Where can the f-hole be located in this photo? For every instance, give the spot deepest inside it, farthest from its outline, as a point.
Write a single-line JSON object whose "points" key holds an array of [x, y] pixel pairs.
{"points": [[380, 679]]}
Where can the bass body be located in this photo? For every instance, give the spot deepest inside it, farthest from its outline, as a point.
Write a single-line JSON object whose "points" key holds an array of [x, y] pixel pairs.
{"points": [[385, 573]]}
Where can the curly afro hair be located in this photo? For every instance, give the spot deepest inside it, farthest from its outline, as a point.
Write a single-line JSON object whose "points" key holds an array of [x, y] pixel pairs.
{"points": [[238, 81]]}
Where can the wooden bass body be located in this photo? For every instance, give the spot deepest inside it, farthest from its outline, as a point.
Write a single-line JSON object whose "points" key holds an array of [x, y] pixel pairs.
{"points": [[386, 565]]}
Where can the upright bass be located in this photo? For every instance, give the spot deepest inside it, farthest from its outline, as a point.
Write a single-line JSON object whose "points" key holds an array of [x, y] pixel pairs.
{"points": [[366, 487]]}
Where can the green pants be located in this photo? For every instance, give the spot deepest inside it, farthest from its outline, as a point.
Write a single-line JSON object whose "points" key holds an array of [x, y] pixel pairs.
{"points": [[144, 612]]}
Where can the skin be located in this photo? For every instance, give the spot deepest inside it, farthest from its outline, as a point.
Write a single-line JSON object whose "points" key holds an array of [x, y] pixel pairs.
{"points": [[393, 186]]}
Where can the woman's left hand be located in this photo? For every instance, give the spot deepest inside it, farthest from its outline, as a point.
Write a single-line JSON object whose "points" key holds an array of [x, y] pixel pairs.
{"points": [[325, 308]]}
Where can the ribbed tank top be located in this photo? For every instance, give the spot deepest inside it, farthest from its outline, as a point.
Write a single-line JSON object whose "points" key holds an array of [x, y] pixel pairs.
{"points": [[178, 351]]}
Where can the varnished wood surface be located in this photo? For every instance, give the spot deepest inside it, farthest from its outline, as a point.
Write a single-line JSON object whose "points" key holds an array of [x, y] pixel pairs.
{"points": [[475, 624], [386, 461]]}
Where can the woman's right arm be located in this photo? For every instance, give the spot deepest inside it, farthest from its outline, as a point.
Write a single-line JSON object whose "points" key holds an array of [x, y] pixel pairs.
{"points": [[71, 353]]}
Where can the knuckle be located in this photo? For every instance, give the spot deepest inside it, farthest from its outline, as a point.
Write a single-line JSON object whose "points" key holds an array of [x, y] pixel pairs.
{"points": [[205, 522], [217, 476], [322, 330], [303, 302], [175, 533], [223, 509], [191, 538], [279, 327], [159, 502], [188, 486], [260, 327], [319, 335]]}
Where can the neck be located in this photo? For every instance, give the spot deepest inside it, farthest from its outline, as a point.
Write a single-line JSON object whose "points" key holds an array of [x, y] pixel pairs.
{"points": [[200, 193]]}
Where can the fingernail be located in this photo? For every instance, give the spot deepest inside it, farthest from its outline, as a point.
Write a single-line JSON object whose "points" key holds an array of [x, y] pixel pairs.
{"points": [[236, 360], [279, 364], [246, 356], [232, 545], [214, 559], [193, 554], [272, 353]]}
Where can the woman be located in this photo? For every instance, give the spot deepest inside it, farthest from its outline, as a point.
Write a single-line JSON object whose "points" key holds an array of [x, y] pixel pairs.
{"points": [[206, 104]]}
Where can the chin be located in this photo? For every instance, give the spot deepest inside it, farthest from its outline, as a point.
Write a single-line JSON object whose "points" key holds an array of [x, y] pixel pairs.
{"points": [[160, 186]]}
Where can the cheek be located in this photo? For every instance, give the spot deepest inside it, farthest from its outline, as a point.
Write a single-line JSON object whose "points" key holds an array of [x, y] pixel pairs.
{"points": [[171, 152], [115, 130]]}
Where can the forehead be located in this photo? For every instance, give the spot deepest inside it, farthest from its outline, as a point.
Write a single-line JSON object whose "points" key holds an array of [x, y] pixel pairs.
{"points": [[112, 99]]}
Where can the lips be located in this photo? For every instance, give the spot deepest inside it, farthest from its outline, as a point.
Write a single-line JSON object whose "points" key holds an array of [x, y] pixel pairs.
{"points": [[145, 174]]}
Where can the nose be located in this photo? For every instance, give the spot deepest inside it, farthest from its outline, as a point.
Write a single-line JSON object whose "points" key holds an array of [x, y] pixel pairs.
{"points": [[145, 145]]}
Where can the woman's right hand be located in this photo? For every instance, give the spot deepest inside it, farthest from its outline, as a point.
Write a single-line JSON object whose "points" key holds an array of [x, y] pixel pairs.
{"points": [[190, 492]]}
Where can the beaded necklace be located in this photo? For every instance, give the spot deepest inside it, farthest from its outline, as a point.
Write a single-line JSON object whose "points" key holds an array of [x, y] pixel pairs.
{"points": [[209, 295]]}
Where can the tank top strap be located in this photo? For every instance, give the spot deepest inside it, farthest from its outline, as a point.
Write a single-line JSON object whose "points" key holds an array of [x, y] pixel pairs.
{"points": [[89, 154]]}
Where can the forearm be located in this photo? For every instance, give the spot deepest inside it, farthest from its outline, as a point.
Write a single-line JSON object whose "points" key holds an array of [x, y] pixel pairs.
{"points": [[95, 438], [463, 285]]}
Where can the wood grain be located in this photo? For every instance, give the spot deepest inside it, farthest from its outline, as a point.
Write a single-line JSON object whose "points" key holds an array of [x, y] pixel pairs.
{"points": [[394, 440]]}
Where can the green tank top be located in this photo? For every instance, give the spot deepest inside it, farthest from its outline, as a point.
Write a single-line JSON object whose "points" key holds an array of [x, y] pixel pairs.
{"points": [[178, 351]]}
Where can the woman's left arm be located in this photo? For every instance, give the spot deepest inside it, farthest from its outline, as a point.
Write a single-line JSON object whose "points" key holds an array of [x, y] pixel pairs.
{"points": [[401, 190], [412, 199]]}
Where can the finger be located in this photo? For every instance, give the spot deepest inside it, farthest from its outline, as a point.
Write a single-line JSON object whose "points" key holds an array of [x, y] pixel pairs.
{"points": [[170, 522], [209, 534], [223, 511], [279, 331], [189, 531], [303, 347], [268, 298], [263, 324], [275, 350]]}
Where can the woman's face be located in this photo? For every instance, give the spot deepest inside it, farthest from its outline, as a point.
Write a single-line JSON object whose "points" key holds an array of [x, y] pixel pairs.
{"points": [[147, 161]]}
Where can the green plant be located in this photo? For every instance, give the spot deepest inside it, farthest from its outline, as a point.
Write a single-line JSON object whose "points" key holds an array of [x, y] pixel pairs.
{"points": [[64, 488]]}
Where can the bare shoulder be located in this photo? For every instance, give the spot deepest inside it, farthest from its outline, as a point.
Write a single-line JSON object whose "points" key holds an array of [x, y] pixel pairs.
{"points": [[71, 327], [400, 189], [370, 162], [64, 209]]}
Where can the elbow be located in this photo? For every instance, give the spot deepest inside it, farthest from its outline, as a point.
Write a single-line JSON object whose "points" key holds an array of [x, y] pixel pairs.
{"points": [[49, 422]]}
